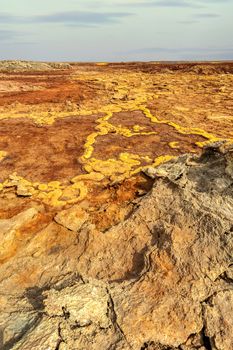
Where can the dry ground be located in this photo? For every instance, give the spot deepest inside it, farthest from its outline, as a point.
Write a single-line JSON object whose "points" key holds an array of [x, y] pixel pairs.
{"points": [[83, 133]]}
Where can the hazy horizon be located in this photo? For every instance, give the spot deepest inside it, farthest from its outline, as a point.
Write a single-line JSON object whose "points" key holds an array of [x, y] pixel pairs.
{"points": [[90, 31]]}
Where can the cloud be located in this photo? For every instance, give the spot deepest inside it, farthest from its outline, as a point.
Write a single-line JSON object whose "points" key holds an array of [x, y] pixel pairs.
{"points": [[6, 35], [206, 15], [188, 22], [75, 18], [81, 18], [215, 1], [179, 54], [174, 3], [198, 16], [147, 50], [7, 18], [166, 3]]}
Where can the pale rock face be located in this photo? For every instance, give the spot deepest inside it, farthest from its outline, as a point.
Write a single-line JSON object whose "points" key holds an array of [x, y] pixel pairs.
{"points": [[23, 191], [83, 304], [162, 279], [219, 320], [17, 221], [72, 218], [29, 65], [9, 231]]}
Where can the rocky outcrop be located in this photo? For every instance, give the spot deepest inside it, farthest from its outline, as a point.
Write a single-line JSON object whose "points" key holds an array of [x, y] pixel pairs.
{"points": [[16, 66], [73, 218], [161, 279]]}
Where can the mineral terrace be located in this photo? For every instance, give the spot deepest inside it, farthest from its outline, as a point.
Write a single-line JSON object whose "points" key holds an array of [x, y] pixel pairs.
{"points": [[116, 206]]}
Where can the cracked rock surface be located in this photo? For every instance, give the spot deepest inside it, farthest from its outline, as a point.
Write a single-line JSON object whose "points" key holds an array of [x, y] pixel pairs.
{"points": [[161, 279]]}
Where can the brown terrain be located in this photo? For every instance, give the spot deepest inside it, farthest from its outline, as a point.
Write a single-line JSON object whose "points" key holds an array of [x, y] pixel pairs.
{"points": [[116, 206]]}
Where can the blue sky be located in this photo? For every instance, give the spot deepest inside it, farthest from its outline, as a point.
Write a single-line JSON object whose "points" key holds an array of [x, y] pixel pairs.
{"points": [[116, 30]]}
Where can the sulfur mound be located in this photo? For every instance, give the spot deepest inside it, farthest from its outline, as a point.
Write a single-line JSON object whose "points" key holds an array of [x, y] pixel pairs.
{"points": [[161, 279]]}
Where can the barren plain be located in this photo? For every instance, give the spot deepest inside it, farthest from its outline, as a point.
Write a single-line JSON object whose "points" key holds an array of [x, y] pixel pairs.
{"points": [[115, 231]]}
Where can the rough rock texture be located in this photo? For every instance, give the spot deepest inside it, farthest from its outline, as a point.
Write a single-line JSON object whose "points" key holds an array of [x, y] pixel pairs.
{"points": [[72, 218], [30, 65], [159, 280]]}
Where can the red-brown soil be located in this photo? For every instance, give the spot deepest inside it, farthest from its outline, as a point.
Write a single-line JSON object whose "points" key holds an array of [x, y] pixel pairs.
{"points": [[53, 127]]}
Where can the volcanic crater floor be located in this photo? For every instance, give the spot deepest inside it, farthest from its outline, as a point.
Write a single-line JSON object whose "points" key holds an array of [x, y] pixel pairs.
{"points": [[75, 142], [91, 124]]}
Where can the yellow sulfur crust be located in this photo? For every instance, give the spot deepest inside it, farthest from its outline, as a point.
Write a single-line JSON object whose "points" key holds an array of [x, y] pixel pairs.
{"points": [[55, 193]]}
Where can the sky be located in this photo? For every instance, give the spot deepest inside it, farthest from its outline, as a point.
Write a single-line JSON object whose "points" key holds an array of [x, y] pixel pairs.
{"points": [[116, 30]]}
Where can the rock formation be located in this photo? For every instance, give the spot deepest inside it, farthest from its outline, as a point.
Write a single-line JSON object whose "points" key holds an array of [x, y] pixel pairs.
{"points": [[17, 66], [159, 279]]}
